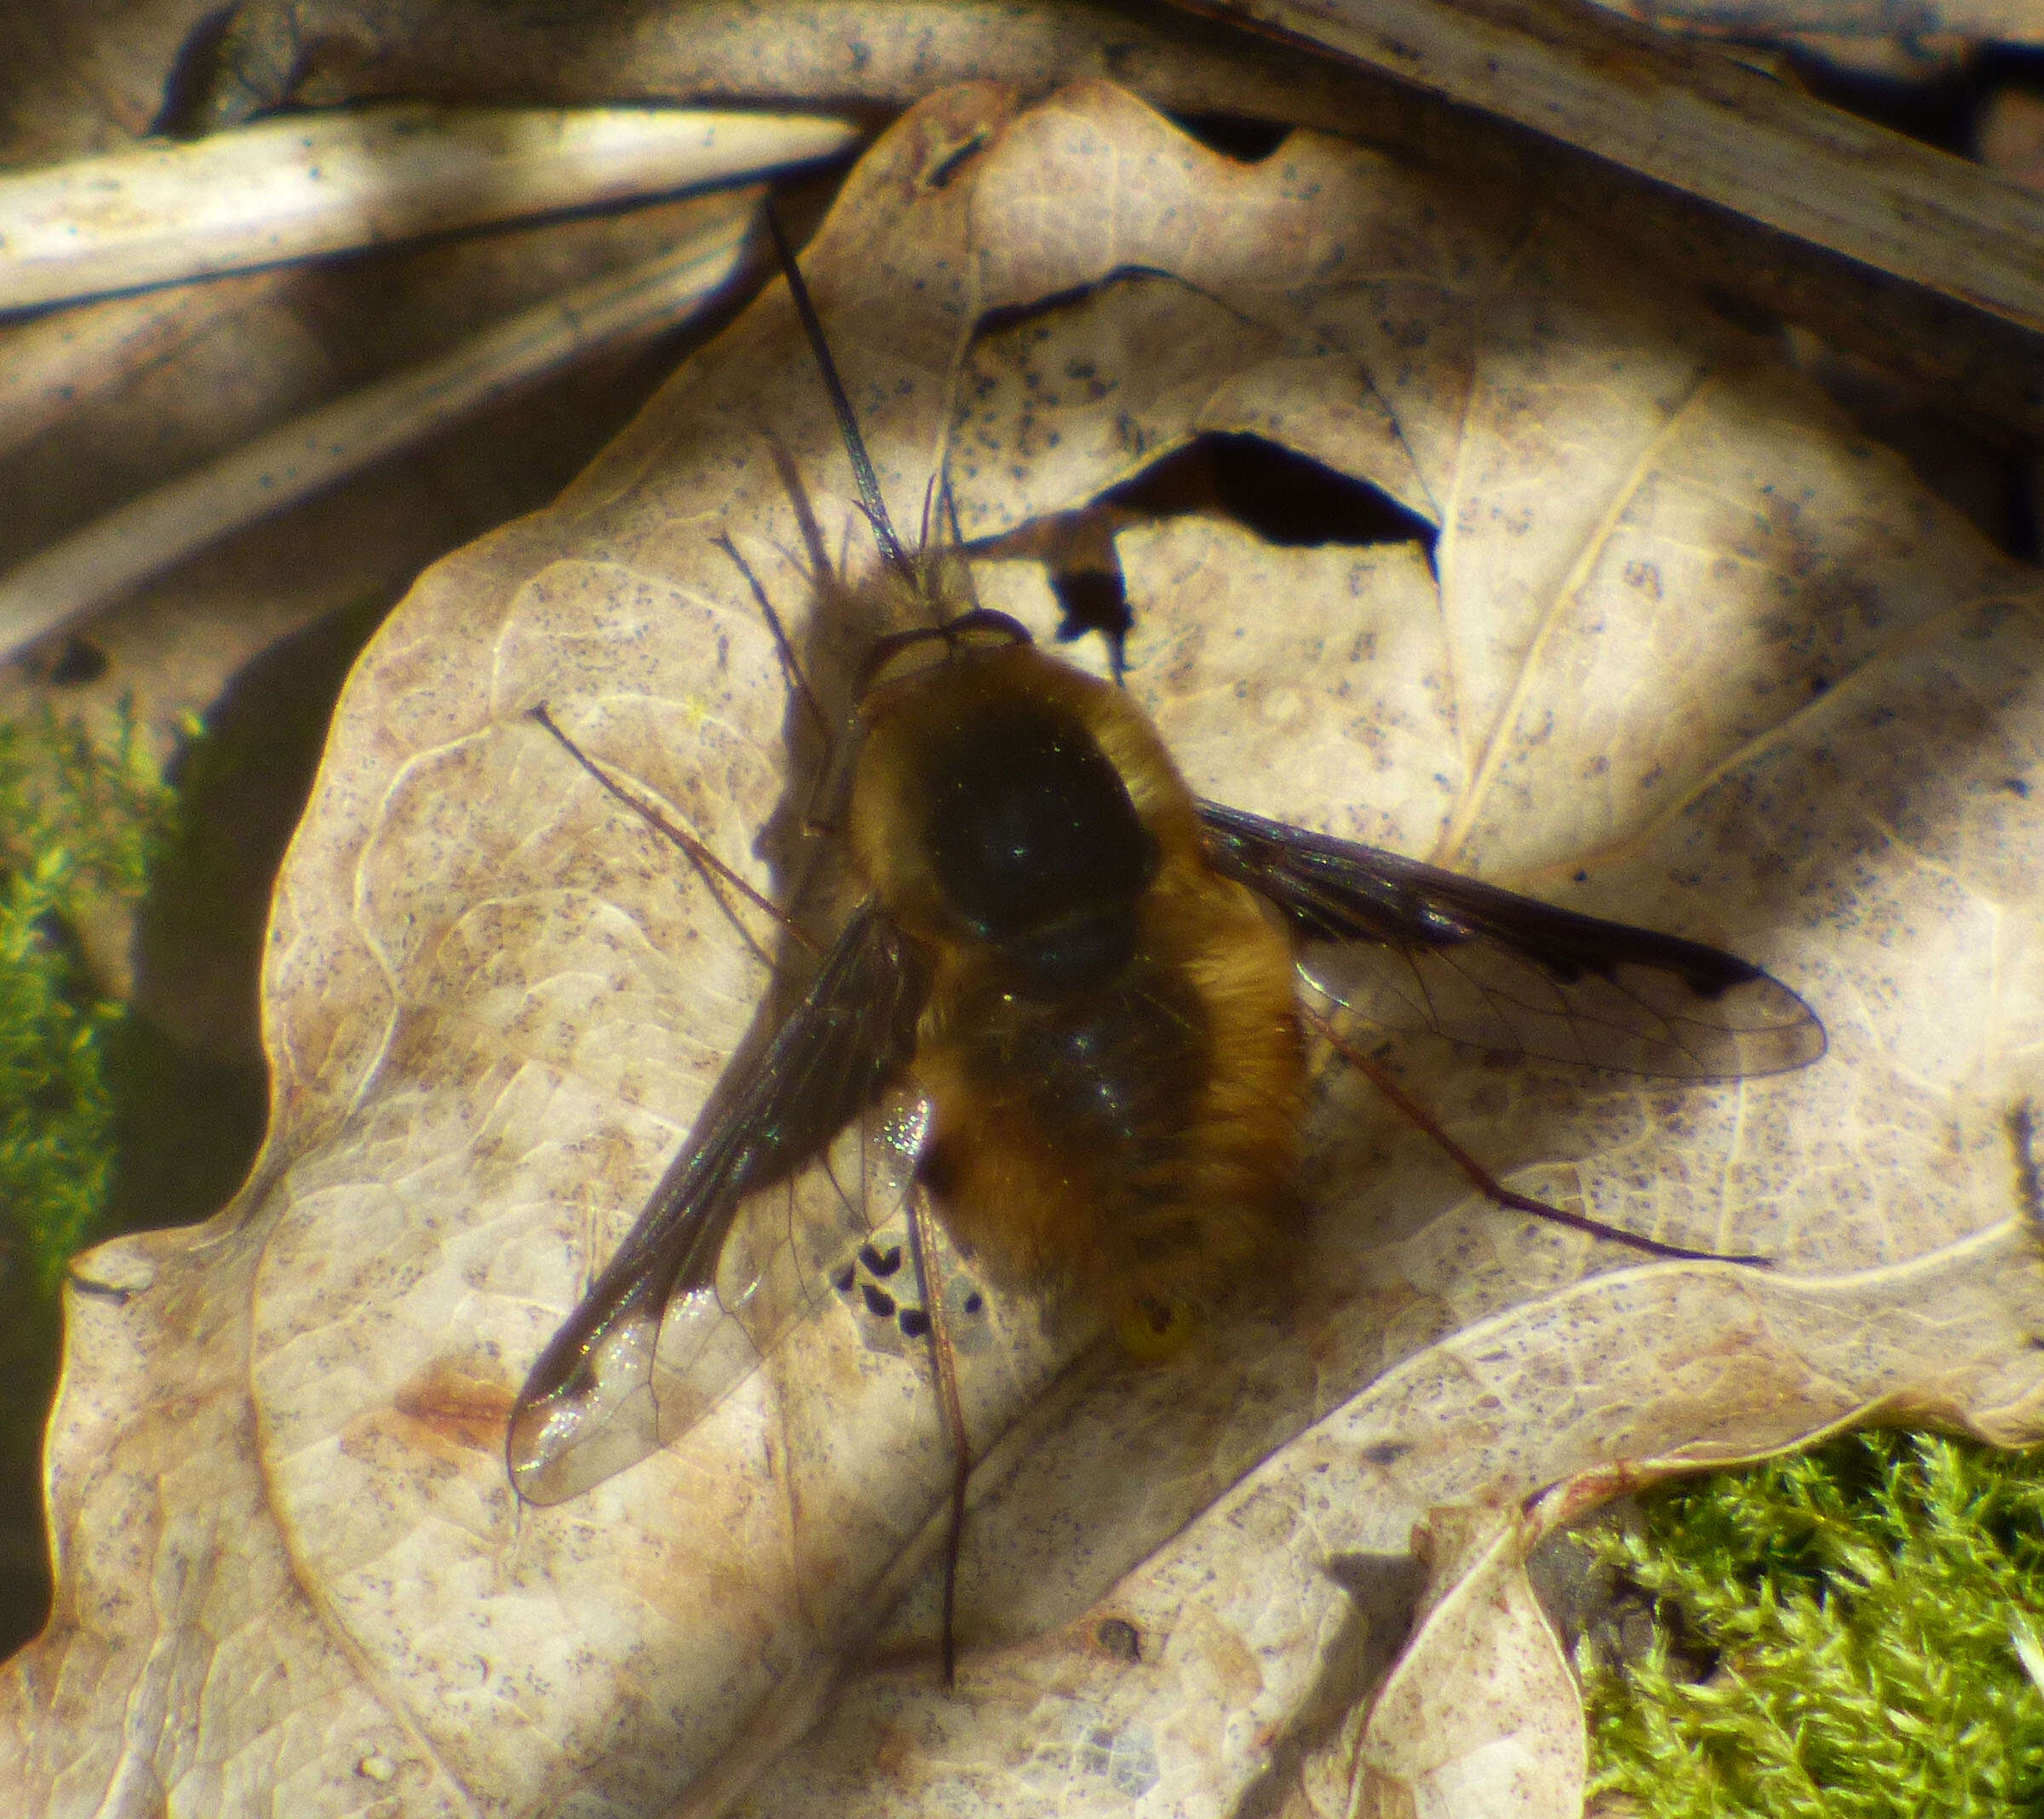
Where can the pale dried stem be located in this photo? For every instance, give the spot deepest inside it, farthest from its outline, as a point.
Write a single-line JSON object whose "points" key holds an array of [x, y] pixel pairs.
{"points": [[1685, 115], [51, 365], [317, 450], [1885, 247], [299, 188]]}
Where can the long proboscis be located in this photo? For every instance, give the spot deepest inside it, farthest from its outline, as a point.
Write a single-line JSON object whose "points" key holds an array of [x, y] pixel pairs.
{"points": [[922, 1234], [891, 546]]}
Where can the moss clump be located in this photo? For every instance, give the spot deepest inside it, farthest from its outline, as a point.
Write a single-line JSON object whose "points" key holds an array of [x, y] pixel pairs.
{"points": [[81, 821], [1861, 1613]]}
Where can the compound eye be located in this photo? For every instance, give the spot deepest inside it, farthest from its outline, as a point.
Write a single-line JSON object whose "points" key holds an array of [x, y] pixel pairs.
{"points": [[1030, 826]]}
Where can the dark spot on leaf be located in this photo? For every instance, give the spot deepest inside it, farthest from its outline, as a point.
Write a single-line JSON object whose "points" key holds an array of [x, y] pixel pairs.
{"points": [[1120, 1638], [79, 661]]}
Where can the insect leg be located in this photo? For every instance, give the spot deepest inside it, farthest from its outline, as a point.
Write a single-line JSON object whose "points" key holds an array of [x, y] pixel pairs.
{"points": [[897, 558], [1487, 1183], [831, 777], [707, 865], [923, 1247], [791, 664]]}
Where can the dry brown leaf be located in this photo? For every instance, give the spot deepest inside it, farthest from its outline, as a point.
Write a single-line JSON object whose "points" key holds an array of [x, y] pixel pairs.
{"points": [[1695, 656], [1543, 91]]}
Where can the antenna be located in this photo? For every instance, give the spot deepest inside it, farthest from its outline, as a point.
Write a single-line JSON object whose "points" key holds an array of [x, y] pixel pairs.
{"points": [[897, 558]]}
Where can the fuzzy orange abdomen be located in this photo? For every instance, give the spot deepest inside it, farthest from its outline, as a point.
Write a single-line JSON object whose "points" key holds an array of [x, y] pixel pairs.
{"points": [[1111, 1047], [1132, 1144]]}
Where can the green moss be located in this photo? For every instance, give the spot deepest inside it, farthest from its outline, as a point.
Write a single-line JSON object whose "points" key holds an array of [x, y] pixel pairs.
{"points": [[81, 823], [1861, 1613], [112, 1120]]}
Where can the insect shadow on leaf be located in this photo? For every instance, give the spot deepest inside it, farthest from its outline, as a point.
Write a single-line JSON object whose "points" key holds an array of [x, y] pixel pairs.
{"points": [[1064, 1021]]}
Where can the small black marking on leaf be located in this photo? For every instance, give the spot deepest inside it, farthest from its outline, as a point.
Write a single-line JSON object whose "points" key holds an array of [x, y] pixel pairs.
{"points": [[1120, 1638], [915, 1323], [1092, 600], [2022, 1125], [947, 171], [80, 661], [103, 1291], [879, 1302]]}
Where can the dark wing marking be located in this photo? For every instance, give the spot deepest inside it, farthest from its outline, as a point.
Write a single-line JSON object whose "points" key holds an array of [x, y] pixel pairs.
{"points": [[654, 1344], [1412, 947]]}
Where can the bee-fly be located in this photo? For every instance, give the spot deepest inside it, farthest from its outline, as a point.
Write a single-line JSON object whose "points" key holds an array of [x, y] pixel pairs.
{"points": [[1086, 981]]}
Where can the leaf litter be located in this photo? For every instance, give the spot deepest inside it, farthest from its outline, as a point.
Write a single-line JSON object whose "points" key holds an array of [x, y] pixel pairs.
{"points": [[1686, 652]]}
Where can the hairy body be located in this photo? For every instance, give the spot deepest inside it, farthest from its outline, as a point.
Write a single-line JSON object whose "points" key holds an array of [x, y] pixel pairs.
{"points": [[1111, 1047]]}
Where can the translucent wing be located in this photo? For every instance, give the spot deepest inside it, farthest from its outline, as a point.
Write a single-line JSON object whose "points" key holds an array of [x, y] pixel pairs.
{"points": [[673, 1324], [1412, 947]]}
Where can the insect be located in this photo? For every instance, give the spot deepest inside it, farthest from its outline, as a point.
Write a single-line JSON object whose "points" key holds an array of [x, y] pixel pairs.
{"points": [[1069, 997]]}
